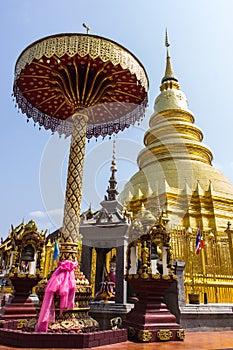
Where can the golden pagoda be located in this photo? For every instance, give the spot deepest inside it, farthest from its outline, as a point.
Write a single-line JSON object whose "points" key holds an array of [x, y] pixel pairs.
{"points": [[176, 176]]}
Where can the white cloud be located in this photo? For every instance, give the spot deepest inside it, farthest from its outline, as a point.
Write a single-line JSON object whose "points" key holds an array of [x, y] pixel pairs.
{"points": [[38, 214], [41, 218], [44, 214]]}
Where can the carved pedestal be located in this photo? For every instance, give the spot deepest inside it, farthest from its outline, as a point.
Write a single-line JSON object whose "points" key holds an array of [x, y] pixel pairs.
{"points": [[150, 320], [21, 307], [75, 320]]}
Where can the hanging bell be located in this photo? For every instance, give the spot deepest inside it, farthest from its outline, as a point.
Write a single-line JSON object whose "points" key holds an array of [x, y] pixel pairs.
{"points": [[28, 253]]}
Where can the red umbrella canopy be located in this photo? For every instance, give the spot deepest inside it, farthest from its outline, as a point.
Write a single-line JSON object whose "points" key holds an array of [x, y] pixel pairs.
{"points": [[62, 74]]}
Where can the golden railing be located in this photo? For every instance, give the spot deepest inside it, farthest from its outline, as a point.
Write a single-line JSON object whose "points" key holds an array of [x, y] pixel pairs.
{"points": [[208, 272]]}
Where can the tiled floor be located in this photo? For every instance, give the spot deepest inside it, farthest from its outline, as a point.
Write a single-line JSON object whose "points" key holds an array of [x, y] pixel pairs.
{"points": [[193, 341]]}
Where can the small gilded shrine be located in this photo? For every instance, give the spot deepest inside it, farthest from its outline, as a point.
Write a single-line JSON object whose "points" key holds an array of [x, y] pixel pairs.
{"points": [[150, 273], [149, 250], [22, 257], [22, 254]]}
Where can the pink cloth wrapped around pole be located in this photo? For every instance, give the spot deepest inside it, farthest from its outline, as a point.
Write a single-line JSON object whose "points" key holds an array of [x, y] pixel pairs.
{"points": [[62, 282]]}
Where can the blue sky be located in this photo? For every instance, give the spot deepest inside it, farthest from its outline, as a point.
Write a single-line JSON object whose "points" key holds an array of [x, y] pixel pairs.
{"points": [[34, 164]]}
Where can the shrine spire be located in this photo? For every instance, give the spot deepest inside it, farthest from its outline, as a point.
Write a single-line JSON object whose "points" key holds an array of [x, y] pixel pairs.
{"points": [[112, 191]]}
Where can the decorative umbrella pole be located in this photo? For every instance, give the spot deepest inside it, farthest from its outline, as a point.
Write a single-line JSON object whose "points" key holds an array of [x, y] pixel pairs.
{"points": [[70, 227], [81, 85]]}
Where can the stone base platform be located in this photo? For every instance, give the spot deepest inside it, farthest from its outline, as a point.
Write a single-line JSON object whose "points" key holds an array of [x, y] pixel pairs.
{"points": [[13, 337], [206, 317]]}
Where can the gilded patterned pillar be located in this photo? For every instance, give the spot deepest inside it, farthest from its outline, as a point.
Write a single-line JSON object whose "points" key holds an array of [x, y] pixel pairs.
{"points": [[93, 270], [48, 258], [70, 229]]}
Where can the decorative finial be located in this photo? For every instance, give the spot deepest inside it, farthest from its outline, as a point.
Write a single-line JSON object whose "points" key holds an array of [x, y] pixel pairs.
{"points": [[114, 152], [87, 28], [167, 43], [169, 73], [112, 191]]}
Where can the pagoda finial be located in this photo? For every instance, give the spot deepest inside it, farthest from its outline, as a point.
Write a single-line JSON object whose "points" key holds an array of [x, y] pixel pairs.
{"points": [[112, 191], [169, 73], [87, 28], [167, 43]]}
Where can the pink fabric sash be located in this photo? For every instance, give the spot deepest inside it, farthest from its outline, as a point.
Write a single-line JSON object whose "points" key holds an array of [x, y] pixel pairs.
{"points": [[62, 282]]}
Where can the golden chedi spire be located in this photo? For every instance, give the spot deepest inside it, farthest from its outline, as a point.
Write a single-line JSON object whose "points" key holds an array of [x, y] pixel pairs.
{"points": [[171, 96], [175, 167], [174, 150], [169, 75], [172, 133]]}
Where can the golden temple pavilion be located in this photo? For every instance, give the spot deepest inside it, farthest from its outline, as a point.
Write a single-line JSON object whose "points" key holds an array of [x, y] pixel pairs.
{"points": [[176, 175]]}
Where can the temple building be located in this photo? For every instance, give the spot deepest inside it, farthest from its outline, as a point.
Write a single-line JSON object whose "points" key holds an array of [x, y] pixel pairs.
{"points": [[176, 175]]}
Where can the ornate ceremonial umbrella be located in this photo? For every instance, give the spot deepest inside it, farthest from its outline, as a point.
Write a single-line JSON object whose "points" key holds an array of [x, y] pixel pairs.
{"points": [[81, 85]]}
